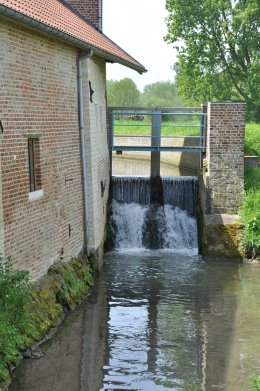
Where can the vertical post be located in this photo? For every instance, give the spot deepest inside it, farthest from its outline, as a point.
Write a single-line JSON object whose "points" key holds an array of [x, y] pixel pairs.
{"points": [[110, 135], [155, 142]]}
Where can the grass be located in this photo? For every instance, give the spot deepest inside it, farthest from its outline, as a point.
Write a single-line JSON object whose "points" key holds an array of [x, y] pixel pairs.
{"points": [[252, 139], [184, 126], [14, 297], [255, 383], [178, 127], [250, 212]]}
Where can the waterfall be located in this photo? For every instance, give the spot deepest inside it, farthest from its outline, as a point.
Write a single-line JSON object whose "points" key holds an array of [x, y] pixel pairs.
{"points": [[138, 222], [131, 189]]}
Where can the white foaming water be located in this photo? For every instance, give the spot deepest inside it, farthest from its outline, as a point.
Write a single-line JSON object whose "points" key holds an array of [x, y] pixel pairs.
{"points": [[181, 229], [128, 220], [175, 226]]}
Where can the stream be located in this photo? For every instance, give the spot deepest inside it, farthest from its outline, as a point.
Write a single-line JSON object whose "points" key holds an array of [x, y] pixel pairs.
{"points": [[155, 320]]}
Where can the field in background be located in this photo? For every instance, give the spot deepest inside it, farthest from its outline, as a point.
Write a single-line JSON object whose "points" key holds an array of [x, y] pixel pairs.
{"points": [[171, 126]]}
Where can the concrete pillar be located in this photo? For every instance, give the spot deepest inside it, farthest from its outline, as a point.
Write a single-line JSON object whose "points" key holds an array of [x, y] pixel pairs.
{"points": [[225, 156], [156, 133]]}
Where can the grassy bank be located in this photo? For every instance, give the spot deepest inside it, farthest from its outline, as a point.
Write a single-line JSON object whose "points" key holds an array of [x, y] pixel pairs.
{"points": [[255, 383], [250, 213], [250, 210], [29, 312], [252, 139]]}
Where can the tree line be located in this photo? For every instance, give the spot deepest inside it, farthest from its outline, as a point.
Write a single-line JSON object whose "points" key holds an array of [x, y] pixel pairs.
{"points": [[125, 93]]}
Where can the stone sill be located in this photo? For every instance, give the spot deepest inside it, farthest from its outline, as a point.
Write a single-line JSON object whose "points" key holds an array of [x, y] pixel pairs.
{"points": [[35, 195]]}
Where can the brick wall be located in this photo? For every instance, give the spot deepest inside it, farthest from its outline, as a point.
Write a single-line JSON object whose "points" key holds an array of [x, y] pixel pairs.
{"points": [[39, 98], [90, 10], [96, 147], [225, 156]]}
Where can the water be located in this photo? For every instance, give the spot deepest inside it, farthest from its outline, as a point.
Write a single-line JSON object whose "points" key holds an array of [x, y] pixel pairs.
{"points": [[180, 192], [136, 226], [156, 321], [154, 214]]}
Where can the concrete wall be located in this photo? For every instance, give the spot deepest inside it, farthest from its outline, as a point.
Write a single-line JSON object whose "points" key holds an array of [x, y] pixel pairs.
{"points": [[96, 147], [39, 96], [225, 156]]}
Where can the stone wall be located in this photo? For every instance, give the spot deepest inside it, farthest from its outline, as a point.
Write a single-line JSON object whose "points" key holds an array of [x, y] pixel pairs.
{"points": [[225, 156], [39, 98]]}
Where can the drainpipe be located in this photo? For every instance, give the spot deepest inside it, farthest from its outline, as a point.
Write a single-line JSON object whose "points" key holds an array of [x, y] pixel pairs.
{"points": [[82, 145]]}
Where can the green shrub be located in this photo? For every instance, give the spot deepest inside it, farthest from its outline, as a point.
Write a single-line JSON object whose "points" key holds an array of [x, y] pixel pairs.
{"points": [[250, 212], [14, 298], [27, 313], [252, 139], [255, 383]]}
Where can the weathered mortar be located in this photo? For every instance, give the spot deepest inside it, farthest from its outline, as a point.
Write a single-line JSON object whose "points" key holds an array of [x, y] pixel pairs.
{"points": [[40, 98], [221, 182], [225, 156]]}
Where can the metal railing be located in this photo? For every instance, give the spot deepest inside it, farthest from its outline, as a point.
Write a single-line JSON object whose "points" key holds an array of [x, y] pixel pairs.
{"points": [[158, 129]]}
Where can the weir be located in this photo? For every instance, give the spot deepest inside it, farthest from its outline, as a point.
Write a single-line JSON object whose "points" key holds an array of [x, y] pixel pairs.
{"points": [[148, 214]]}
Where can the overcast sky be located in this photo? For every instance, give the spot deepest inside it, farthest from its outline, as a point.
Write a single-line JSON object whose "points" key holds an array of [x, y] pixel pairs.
{"points": [[138, 26]]}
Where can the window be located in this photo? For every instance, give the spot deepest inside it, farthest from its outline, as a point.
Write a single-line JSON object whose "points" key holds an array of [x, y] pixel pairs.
{"points": [[34, 164]]}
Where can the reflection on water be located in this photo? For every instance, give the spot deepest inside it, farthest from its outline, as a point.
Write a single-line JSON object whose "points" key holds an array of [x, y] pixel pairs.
{"points": [[156, 321]]}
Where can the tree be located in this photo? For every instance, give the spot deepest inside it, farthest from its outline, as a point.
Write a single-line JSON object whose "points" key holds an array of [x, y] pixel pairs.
{"points": [[218, 49], [122, 93], [161, 93]]}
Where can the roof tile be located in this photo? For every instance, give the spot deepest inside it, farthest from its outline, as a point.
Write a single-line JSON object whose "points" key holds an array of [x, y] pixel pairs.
{"points": [[55, 14]]}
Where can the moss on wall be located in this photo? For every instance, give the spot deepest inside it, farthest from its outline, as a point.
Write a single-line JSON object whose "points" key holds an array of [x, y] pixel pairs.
{"points": [[223, 240], [65, 285]]}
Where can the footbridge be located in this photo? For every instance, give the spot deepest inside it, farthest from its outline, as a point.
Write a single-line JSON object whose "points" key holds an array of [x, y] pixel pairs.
{"points": [[214, 132], [158, 129]]}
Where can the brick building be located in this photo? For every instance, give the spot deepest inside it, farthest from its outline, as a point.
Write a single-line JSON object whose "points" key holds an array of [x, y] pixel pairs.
{"points": [[54, 167]]}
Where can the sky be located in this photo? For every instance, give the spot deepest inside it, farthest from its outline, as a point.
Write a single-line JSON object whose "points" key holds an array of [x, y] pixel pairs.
{"points": [[138, 26]]}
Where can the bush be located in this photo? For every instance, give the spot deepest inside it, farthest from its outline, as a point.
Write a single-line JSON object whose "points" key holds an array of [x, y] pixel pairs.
{"points": [[255, 383], [28, 312], [14, 297], [250, 212], [252, 139]]}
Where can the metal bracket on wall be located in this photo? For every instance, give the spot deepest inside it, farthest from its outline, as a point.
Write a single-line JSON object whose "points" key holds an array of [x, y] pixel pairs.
{"points": [[91, 92]]}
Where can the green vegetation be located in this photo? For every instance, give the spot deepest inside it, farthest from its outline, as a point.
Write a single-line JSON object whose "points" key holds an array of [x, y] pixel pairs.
{"points": [[161, 94], [218, 50], [125, 93], [255, 383], [28, 312], [252, 139], [14, 298], [250, 212], [173, 126], [122, 93]]}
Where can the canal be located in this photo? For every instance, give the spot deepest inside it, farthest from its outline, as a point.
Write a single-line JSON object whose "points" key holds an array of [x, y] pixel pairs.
{"points": [[155, 320], [159, 319]]}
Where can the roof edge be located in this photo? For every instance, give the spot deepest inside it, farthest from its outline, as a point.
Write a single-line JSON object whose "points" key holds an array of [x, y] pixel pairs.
{"points": [[27, 20]]}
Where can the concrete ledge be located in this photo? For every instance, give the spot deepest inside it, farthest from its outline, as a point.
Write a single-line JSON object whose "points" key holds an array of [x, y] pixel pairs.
{"points": [[220, 219], [251, 161]]}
